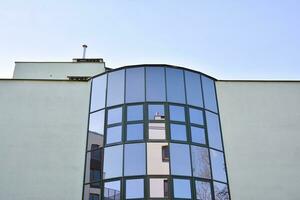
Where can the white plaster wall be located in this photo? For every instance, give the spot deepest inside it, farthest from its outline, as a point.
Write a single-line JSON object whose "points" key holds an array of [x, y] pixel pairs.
{"points": [[43, 128], [154, 159], [261, 130]]}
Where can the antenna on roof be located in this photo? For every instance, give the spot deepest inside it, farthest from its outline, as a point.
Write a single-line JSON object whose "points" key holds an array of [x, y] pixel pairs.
{"points": [[84, 50]]}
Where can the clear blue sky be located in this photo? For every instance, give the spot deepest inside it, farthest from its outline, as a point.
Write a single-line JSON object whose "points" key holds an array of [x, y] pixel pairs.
{"points": [[245, 39]]}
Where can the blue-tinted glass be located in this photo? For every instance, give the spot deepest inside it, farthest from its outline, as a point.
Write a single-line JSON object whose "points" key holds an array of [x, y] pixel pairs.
{"points": [[193, 89], [182, 188], [114, 115], [198, 135], [115, 88], [135, 85], [135, 132], [178, 132], [135, 161], [180, 159], [134, 188], [156, 112], [135, 113], [221, 191], [177, 113], [112, 190], [155, 84], [114, 134], [218, 166], [200, 162], [209, 94], [96, 122], [203, 190], [98, 93], [196, 116], [213, 130], [175, 85], [113, 160]]}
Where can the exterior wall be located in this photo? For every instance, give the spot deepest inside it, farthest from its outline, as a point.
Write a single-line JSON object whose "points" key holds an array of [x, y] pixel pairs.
{"points": [[43, 139], [261, 132]]}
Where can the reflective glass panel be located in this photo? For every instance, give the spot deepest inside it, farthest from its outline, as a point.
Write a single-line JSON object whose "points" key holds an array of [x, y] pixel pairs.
{"points": [[93, 166], [113, 161], [198, 135], [98, 93], [196, 116], [135, 113], [177, 113], [135, 159], [155, 84], [135, 132], [182, 188], [96, 125], [156, 112], [218, 166], [115, 88], [213, 130], [203, 190], [180, 159], [210, 100], [221, 191], [159, 187], [114, 134], [193, 89], [134, 188], [91, 193], [114, 115], [175, 85], [157, 158], [200, 162], [178, 132], [157, 131], [135, 85], [112, 190]]}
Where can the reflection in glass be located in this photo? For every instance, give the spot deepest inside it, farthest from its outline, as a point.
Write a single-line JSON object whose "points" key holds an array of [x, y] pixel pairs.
{"points": [[98, 93], [175, 85], [210, 100], [155, 84], [196, 116], [213, 130], [200, 162], [135, 113], [114, 134], [91, 193], [218, 166], [193, 89], [112, 190], [94, 161], [156, 112], [182, 188], [159, 188], [135, 132], [177, 113], [135, 85], [157, 131], [203, 190], [113, 160], [157, 158], [221, 191], [178, 132], [115, 88], [134, 188], [96, 125], [198, 135], [180, 159], [114, 115], [134, 159]]}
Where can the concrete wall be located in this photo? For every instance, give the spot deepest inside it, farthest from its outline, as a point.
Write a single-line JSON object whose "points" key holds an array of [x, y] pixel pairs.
{"points": [[43, 128], [261, 131]]}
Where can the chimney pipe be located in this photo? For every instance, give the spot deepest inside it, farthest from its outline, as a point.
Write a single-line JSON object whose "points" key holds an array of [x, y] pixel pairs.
{"points": [[84, 50]]}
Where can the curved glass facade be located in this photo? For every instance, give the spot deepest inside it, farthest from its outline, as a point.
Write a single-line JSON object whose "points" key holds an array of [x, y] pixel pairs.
{"points": [[154, 133]]}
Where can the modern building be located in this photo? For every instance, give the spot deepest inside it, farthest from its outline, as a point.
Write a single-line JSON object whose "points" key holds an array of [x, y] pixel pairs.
{"points": [[79, 130]]}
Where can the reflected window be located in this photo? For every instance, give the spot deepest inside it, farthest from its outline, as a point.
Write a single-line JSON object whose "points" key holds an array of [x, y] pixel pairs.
{"points": [[213, 130], [180, 159], [177, 113], [135, 85], [182, 188], [96, 129], [112, 190], [157, 131], [135, 113], [156, 112], [134, 188], [135, 132], [221, 191], [91, 193], [175, 85], [134, 159], [165, 153], [93, 163], [209, 93], [193, 89], [198, 135], [114, 134], [115, 88], [98, 93], [158, 158], [196, 116], [94, 196], [200, 162], [218, 166], [155, 84], [178, 132], [159, 188], [114, 115], [203, 190], [113, 161]]}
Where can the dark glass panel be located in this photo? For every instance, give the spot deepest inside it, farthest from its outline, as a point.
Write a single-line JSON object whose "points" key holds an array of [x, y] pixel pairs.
{"points": [[98, 93], [177, 113], [135, 85], [112, 190], [156, 112], [114, 115], [209, 93], [198, 135], [203, 190], [91, 193], [180, 159], [218, 166], [178, 132], [134, 159], [213, 130], [114, 134], [115, 88], [96, 129], [155, 84], [221, 191], [196, 116], [134, 188], [175, 85], [200, 162], [193, 89], [182, 188], [135, 132], [113, 161], [135, 113], [94, 162]]}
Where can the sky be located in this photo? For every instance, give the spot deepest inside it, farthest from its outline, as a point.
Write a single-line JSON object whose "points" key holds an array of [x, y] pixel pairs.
{"points": [[245, 39]]}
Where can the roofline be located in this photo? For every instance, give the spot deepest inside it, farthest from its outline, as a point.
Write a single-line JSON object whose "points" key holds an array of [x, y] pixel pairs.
{"points": [[51, 80], [59, 62], [264, 80]]}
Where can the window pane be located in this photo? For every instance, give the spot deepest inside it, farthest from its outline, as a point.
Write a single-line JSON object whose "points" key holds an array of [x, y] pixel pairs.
{"points": [[113, 160], [213, 130], [135, 159], [203, 190], [159, 187], [218, 166], [178, 132], [135, 85], [182, 188], [96, 125], [155, 83], [155, 162], [221, 191], [175, 85], [114, 134], [93, 163], [157, 131], [177, 113], [196, 116], [134, 188], [135, 132], [91, 192], [193, 89], [135, 113], [156, 112], [198, 135], [200, 162], [98, 93], [180, 159], [112, 190], [114, 115], [209, 93], [115, 88]]}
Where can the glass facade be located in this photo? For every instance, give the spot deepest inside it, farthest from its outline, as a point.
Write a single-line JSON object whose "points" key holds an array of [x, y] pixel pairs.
{"points": [[154, 132]]}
